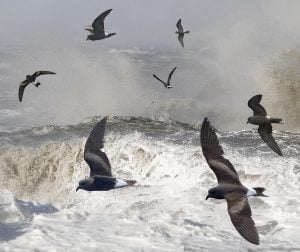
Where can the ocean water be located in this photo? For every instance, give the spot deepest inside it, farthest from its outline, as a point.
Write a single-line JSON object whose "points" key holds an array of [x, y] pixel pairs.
{"points": [[166, 211]]}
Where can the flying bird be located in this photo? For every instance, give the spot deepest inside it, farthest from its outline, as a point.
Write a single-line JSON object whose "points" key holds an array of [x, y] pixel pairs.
{"points": [[180, 31], [31, 79], [229, 186], [166, 84], [100, 178], [97, 28], [264, 121]]}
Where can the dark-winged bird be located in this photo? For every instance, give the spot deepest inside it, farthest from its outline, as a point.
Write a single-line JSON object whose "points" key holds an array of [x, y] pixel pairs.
{"points": [[264, 121], [31, 79], [97, 28], [180, 31], [229, 185], [168, 83], [101, 178]]}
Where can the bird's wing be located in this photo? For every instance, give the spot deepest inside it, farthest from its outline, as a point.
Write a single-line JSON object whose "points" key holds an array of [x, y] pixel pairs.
{"points": [[22, 87], [98, 23], [179, 26], [170, 75], [180, 39], [240, 214], [159, 79], [103, 179], [38, 73], [97, 159], [258, 109], [265, 132], [213, 153]]}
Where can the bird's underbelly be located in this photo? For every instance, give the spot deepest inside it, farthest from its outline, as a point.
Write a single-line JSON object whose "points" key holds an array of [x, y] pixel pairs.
{"points": [[98, 36]]}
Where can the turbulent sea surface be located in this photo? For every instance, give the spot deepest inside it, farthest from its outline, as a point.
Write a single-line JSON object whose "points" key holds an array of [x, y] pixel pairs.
{"points": [[166, 211], [236, 49]]}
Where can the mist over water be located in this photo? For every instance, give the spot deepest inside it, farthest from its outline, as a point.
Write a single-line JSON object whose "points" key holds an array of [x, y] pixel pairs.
{"points": [[236, 49]]}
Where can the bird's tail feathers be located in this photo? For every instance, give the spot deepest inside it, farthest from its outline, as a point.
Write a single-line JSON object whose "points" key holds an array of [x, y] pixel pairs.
{"points": [[187, 32], [276, 120], [130, 182], [259, 191], [111, 34]]}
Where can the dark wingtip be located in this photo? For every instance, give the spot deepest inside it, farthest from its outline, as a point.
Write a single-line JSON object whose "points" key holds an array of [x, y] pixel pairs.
{"points": [[205, 123], [279, 152], [209, 139], [104, 118]]}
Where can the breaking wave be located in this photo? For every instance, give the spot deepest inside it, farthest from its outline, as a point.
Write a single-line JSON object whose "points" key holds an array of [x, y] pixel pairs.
{"points": [[41, 167]]}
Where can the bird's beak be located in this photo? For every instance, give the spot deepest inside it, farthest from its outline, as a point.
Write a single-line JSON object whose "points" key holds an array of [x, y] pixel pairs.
{"points": [[207, 197], [77, 189], [247, 122]]}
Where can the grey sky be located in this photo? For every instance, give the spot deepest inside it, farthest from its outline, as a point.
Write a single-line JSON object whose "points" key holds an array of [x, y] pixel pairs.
{"points": [[144, 23], [140, 23]]}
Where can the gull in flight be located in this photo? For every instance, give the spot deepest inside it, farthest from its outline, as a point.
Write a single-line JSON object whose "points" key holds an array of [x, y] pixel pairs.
{"points": [[166, 84], [97, 28], [100, 178], [31, 79], [180, 31], [264, 123], [229, 186]]}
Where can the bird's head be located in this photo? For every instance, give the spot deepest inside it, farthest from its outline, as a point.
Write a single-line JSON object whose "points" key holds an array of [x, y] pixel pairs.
{"points": [[213, 193], [86, 184]]}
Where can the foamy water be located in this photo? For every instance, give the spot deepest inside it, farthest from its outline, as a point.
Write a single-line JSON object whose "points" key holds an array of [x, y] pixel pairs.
{"points": [[166, 211]]}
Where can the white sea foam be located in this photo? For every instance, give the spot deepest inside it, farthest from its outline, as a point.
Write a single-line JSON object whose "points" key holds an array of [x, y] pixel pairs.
{"points": [[166, 211]]}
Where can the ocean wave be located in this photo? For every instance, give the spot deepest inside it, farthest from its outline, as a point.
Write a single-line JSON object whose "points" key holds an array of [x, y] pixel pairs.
{"points": [[39, 180]]}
